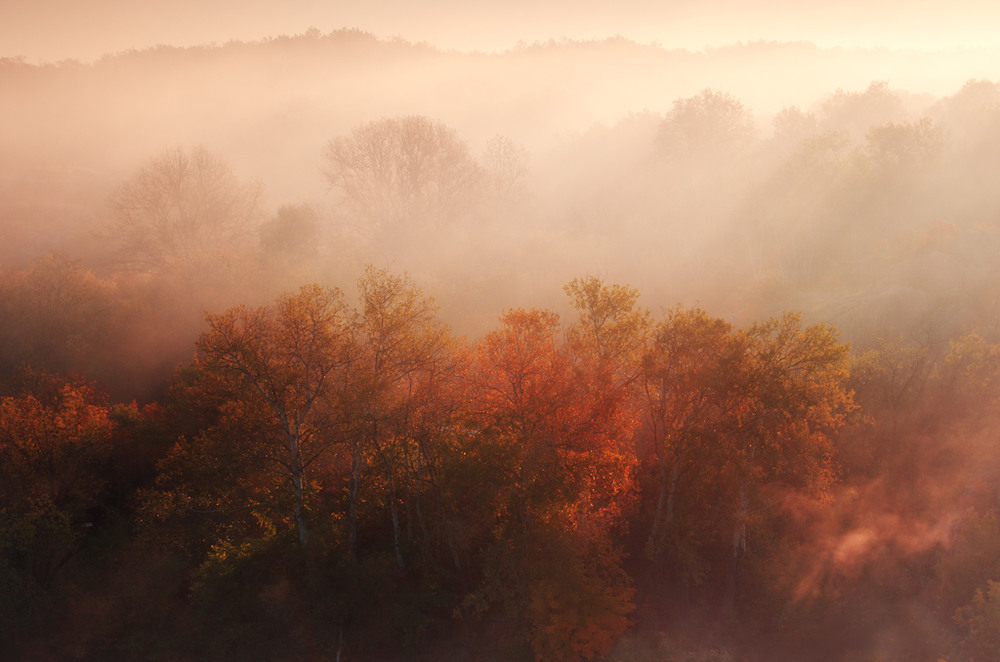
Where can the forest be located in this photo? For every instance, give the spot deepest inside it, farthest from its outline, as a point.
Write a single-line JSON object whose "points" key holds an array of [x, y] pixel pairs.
{"points": [[707, 382]]}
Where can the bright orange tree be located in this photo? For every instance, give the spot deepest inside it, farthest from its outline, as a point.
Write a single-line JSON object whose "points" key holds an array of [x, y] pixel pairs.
{"points": [[566, 471], [55, 444]]}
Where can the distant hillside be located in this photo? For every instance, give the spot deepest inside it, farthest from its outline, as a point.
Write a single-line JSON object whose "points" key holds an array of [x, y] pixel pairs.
{"points": [[271, 105]]}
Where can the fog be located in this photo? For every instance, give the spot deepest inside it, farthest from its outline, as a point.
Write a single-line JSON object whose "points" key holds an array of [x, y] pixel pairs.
{"points": [[158, 167], [587, 112]]}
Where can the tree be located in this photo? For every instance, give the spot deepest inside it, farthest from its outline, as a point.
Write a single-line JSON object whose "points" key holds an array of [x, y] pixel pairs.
{"points": [[62, 318], [184, 209], [52, 437], [711, 125], [970, 116], [55, 442], [981, 620], [857, 112], [611, 329], [705, 144], [293, 233], [277, 371], [791, 125], [403, 352], [565, 474], [897, 149], [796, 216], [505, 166], [686, 377], [290, 245], [790, 397], [400, 177]]}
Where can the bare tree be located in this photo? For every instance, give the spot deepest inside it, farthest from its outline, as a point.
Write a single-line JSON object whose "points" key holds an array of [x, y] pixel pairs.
{"points": [[506, 166], [401, 176], [184, 208]]}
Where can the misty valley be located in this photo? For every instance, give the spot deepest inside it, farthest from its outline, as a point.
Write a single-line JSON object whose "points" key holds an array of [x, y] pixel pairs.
{"points": [[329, 347]]}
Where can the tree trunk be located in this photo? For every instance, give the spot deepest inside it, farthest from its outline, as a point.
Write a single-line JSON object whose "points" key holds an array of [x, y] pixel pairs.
{"points": [[739, 548], [298, 480], [300, 522], [352, 502], [664, 515], [394, 510], [387, 455]]}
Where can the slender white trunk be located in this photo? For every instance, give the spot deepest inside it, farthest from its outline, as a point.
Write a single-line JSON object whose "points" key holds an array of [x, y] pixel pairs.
{"points": [[298, 487]]}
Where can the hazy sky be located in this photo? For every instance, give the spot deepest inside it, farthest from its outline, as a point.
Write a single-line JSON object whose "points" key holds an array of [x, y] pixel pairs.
{"points": [[51, 30]]}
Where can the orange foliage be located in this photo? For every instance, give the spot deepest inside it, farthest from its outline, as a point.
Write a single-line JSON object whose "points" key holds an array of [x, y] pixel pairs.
{"points": [[48, 442], [565, 439]]}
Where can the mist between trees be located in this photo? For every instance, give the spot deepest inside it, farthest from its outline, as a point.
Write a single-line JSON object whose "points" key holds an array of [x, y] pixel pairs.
{"points": [[393, 435]]}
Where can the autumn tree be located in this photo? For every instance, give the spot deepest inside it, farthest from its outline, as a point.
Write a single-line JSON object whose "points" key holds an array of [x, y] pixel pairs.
{"points": [[736, 422], [55, 445], [565, 475], [47, 442], [686, 379], [605, 346], [980, 619], [891, 377], [185, 209], [527, 394], [791, 396], [611, 330], [275, 373], [404, 351]]}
